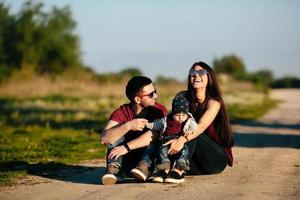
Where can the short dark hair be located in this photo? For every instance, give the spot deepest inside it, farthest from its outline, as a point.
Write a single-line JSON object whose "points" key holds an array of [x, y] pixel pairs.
{"points": [[136, 84]]}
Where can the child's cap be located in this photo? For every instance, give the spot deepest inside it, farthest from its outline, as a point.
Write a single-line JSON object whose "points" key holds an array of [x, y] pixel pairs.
{"points": [[180, 105]]}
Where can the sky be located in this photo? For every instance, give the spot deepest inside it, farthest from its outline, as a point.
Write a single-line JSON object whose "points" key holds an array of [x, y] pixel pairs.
{"points": [[165, 37]]}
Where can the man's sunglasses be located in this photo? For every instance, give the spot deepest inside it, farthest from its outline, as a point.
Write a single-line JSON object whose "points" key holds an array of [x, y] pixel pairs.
{"points": [[200, 72], [150, 95]]}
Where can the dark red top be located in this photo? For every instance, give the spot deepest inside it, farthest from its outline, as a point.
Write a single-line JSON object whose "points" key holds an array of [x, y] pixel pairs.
{"points": [[125, 113], [212, 133]]}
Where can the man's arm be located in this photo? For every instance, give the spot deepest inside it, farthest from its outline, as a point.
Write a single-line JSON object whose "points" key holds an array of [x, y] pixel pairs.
{"points": [[142, 140], [139, 142], [113, 130]]}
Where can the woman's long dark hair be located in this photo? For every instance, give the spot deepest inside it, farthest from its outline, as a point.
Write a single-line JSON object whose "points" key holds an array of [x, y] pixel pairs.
{"points": [[213, 91]]}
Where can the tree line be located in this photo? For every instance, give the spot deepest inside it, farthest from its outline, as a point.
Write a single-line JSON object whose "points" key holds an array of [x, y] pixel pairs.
{"points": [[234, 66], [37, 40], [45, 42]]}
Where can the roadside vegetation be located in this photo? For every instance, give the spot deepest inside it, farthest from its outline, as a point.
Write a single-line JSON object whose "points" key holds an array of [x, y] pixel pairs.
{"points": [[59, 127], [53, 107]]}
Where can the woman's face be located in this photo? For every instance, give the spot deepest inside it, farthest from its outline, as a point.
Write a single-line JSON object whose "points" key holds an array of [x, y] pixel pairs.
{"points": [[199, 81]]}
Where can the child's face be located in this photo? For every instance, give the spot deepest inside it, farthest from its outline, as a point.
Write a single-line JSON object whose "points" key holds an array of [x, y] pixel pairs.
{"points": [[180, 117]]}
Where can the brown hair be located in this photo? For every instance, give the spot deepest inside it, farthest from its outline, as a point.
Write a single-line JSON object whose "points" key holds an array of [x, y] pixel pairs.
{"points": [[213, 91]]}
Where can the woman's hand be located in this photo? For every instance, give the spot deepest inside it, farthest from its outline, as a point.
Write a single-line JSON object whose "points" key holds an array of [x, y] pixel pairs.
{"points": [[175, 145], [117, 152]]}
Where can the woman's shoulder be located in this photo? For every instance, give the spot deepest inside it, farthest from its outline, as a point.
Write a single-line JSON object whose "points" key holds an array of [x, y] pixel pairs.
{"points": [[213, 102]]}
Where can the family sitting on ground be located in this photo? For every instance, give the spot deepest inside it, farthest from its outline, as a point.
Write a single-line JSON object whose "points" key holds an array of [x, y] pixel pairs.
{"points": [[145, 141]]}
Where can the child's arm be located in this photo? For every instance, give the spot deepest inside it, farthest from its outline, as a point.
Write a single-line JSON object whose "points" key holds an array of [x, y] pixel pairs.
{"points": [[190, 127], [156, 125]]}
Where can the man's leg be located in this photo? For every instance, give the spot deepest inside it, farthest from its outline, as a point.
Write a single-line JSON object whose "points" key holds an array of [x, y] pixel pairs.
{"points": [[113, 173], [145, 166]]}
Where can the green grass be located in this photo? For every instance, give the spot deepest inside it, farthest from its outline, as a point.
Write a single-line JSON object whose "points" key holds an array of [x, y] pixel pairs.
{"points": [[239, 112], [45, 134], [46, 130]]}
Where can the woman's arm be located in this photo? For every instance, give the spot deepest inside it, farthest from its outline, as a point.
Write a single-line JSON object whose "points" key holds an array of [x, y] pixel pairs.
{"points": [[210, 114], [208, 117]]}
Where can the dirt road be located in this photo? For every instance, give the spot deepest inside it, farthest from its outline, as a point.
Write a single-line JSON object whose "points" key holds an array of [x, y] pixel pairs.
{"points": [[266, 166]]}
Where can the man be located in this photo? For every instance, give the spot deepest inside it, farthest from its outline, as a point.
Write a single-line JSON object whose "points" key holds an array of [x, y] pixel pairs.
{"points": [[126, 134]]}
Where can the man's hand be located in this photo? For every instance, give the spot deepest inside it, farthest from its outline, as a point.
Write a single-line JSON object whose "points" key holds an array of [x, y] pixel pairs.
{"points": [[136, 124], [117, 152]]}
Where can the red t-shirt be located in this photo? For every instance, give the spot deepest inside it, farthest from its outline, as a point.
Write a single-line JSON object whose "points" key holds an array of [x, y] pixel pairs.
{"points": [[125, 113]]}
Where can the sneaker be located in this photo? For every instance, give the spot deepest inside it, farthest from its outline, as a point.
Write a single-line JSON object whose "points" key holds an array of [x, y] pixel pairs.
{"points": [[160, 176], [111, 175], [174, 177], [141, 172], [163, 166], [182, 166]]}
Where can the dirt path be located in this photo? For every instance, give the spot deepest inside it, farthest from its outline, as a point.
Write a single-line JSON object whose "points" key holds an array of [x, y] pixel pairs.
{"points": [[266, 166]]}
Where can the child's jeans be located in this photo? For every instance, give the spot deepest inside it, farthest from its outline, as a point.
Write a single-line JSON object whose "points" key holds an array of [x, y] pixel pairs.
{"points": [[181, 157]]}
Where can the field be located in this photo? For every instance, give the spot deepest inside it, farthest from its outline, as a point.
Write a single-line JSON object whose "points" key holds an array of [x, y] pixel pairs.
{"points": [[50, 123]]}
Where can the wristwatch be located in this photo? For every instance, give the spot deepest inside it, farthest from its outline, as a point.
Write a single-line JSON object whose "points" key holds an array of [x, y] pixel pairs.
{"points": [[127, 147]]}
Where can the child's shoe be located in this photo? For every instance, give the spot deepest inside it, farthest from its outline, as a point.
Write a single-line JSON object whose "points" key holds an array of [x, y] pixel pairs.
{"points": [[160, 176], [174, 177]]}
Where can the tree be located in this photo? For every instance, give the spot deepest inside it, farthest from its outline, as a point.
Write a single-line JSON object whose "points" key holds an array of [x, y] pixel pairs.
{"points": [[39, 41], [231, 65], [166, 80], [61, 49], [4, 22], [27, 37], [263, 76], [286, 82], [131, 71]]}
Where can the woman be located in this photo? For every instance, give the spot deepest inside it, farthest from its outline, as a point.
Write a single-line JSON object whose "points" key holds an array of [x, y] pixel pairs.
{"points": [[210, 145]]}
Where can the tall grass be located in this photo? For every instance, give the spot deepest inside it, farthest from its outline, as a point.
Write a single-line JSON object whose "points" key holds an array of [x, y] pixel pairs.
{"points": [[46, 119]]}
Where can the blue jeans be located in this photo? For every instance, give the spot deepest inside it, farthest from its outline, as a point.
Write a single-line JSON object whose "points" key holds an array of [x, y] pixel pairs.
{"points": [[181, 157], [146, 154], [149, 153], [114, 161]]}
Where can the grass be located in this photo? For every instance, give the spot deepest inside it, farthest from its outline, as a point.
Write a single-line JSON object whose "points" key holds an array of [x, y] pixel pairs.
{"points": [[49, 129], [239, 112], [42, 130]]}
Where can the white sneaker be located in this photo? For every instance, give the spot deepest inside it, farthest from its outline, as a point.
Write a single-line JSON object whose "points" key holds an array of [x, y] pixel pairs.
{"points": [[174, 177], [138, 175], [141, 172], [109, 179]]}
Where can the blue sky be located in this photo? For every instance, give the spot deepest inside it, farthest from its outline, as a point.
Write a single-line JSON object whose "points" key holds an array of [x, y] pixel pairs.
{"points": [[166, 37]]}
